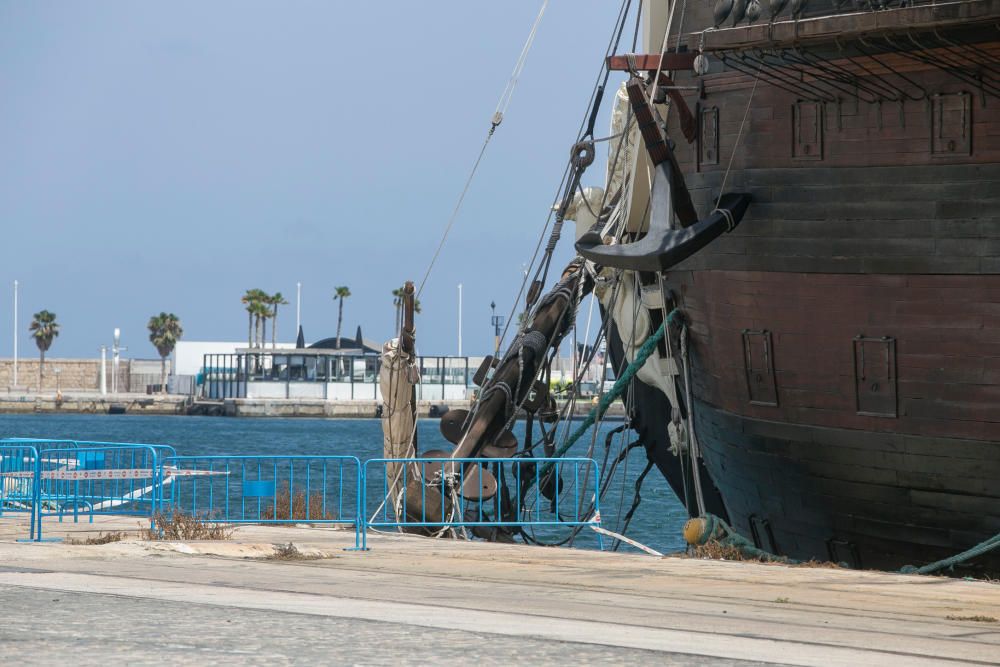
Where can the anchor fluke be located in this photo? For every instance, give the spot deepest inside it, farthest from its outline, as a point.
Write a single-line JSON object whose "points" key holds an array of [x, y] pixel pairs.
{"points": [[662, 248]]}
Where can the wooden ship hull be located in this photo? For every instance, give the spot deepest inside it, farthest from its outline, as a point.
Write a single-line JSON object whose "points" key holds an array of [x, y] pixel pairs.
{"points": [[845, 337]]}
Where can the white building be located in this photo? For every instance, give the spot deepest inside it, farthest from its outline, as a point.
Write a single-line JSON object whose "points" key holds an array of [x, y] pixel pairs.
{"points": [[189, 355]]}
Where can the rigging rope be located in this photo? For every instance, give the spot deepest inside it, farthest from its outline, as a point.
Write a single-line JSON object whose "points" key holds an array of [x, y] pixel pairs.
{"points": [[693, 448], [508, 92], [589, 118], [636, 499], [957, 559], [739, 135], [502, 104], [641, 355]]}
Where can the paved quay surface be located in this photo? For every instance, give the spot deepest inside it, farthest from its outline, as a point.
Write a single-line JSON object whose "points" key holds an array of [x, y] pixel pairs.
{"points": [[415, 601]]}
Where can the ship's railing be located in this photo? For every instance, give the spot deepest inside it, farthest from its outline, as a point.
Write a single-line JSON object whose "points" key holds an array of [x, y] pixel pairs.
{"points": [[816, 9], [265, 489], [438, 495]]}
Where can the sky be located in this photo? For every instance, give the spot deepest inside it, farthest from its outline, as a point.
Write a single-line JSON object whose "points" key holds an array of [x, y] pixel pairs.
{"points": [[169, 156]]}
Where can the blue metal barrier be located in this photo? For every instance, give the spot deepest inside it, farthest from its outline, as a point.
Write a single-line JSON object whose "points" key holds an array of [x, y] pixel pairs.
{"points": [[44, 443], [38, 443], [114, 480], [62, 478], [19, 466], [266, 489], [444, 493], [162, 451]]}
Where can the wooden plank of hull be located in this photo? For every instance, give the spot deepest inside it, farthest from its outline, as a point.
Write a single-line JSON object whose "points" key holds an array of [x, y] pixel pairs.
{"points": [[945, 333], [873, 220], [857, 510], [889, 490]]}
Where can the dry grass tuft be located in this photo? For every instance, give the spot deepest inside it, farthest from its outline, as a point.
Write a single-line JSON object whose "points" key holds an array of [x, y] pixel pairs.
{"points": [[296, 508], [179, 526], [782, 600], [290, 552], [978, 618], [719, 551], [827, 564], [101, 538]]}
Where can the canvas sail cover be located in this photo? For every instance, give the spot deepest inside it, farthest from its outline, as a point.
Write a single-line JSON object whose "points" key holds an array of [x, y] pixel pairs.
{"points": [[397, 377]]}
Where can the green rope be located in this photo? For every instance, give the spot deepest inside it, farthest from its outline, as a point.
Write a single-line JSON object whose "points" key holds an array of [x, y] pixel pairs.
{"points": [[617, 389], [978, 550], [717, 530]]}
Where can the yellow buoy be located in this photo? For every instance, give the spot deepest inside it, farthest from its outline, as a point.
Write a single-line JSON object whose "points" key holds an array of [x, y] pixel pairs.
{"points": [[695, 531]]}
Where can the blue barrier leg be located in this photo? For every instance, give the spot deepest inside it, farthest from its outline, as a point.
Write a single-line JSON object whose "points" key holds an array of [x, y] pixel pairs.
{"points": [[361, 513]]}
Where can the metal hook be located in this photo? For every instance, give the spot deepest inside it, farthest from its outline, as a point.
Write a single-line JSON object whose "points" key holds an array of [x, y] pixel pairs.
{"points": [[843, 76], [953, 69], [813, 90], [731, 62], [923, 91]]}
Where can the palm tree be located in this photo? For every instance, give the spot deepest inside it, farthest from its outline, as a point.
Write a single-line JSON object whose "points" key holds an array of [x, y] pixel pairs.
{"points": [[164, 332], [339, 294], [260, 313], [252, 299], [275, 300], [265, 315], [44, 329], [249, 298]]}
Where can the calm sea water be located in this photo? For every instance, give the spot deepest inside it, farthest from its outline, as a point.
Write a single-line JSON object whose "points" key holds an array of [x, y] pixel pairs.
{"points": [[657, 522]]}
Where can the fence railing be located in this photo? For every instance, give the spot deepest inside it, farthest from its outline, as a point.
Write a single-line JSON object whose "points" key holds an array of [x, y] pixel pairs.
{"points": [[463, 493], [265, 489], [115, 480], [19, 469], [45, 443], [81, 478], [72, 478]]}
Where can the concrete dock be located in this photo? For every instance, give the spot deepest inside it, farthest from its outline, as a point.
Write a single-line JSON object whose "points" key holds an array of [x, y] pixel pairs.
{"points": [[74, 402], [412, 600], [174, 404]]}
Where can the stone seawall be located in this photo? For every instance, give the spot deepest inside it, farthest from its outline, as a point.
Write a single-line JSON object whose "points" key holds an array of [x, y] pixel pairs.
{"points": [[73, 373], [172, 404], [260, 407], [94, 404], [83, 375], [279, 407]]}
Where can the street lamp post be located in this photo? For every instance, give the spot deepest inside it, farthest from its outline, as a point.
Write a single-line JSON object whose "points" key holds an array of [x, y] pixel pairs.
{"points": [[116, 352], [460, 319], [15, 334], [496, 321], [104, 370], [298, 307], [114, 360]]}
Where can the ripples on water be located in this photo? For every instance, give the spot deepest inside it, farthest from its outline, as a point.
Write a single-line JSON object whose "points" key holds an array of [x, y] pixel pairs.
{"points": [[656, 523]]}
